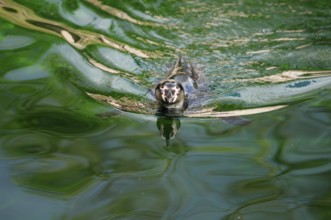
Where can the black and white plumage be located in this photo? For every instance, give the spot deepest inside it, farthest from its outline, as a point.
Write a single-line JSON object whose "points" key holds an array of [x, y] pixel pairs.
{"points": [[172, 93], [171, 96]]}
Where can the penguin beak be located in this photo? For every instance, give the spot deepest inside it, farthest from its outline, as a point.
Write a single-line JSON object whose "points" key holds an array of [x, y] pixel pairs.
{"points": [[169, 92], [169, 96]]}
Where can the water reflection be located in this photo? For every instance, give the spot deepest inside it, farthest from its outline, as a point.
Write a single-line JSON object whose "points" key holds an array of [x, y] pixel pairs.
{"points": [[168, 128], [124, 171]]}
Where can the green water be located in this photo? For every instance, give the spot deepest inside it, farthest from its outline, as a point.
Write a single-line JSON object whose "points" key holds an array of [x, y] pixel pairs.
{"points": [[64, 155]]}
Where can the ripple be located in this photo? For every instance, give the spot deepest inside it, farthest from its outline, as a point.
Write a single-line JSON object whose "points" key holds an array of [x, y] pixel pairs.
{"points": [[310, 56], [27, 144], [26, 18], [117, 59], [287, 76], [26, 73], [94, 78], [57, 174], [58, 121], [123, 15], [83, 16], [280, 93], [12, 42]]}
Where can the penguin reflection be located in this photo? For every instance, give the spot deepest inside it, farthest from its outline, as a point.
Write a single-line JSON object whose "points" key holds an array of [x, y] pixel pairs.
{"points": [[168, 128]]}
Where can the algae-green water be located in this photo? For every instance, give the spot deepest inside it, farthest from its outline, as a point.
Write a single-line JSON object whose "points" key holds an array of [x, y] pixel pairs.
{"points": [[65, 155]]}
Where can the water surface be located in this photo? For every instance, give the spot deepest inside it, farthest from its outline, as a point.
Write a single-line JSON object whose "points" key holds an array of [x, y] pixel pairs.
{"points": [[65, 155]]}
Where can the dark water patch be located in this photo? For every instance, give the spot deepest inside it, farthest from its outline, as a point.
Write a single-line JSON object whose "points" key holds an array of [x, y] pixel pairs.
{"points": [[10, 9], [57, 174], [57, 121], [15, 97], [27, 144], [300, 84], [53, 27]]}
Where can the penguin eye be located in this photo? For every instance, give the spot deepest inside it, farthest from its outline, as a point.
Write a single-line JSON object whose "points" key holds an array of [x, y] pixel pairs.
{"points": [[161, 89]]}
